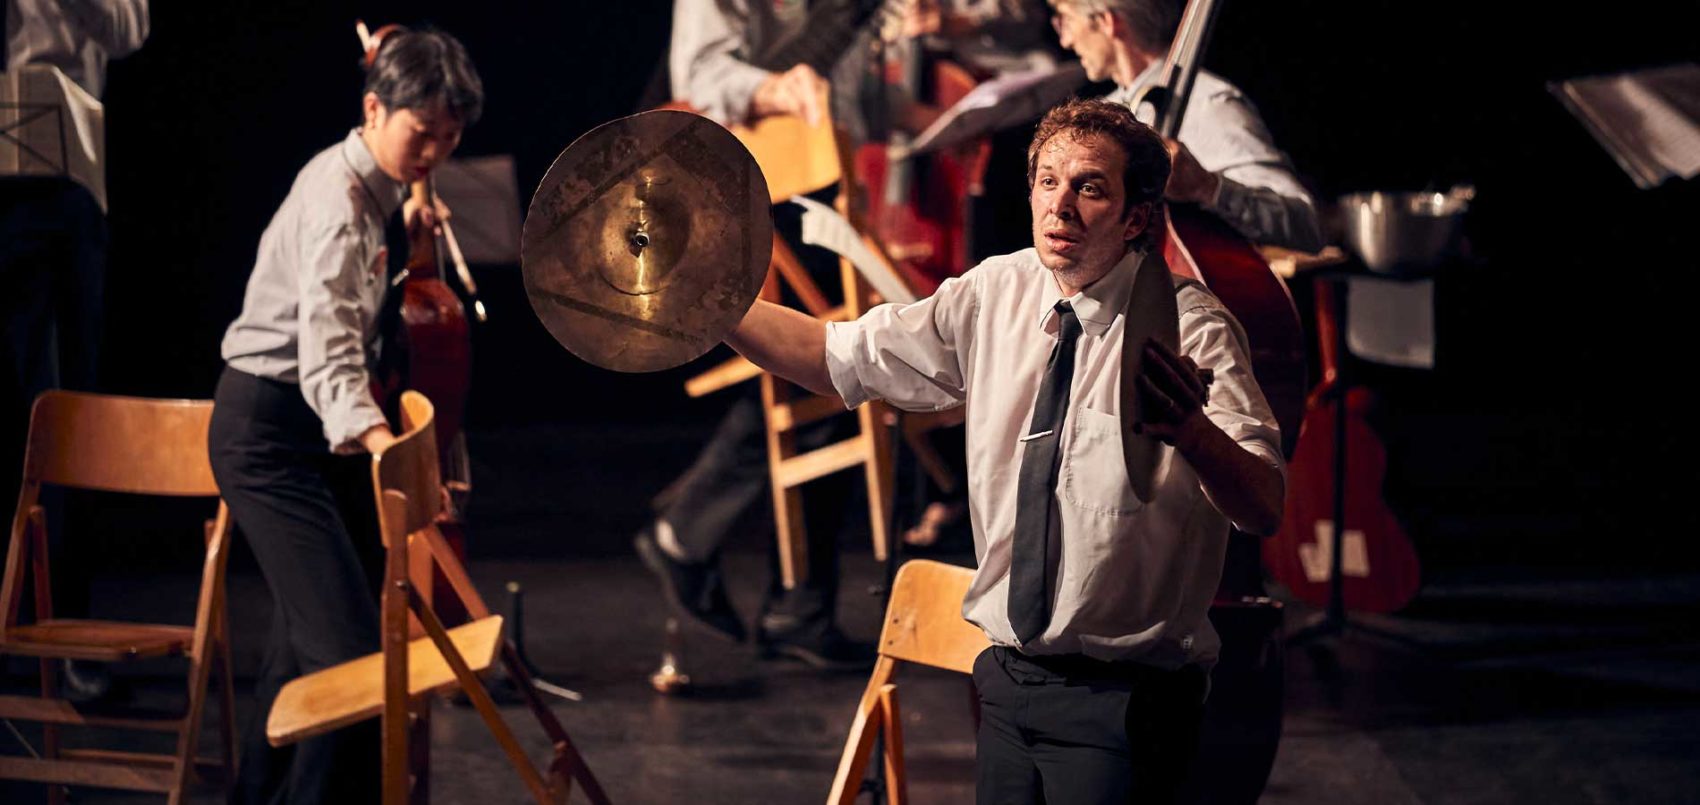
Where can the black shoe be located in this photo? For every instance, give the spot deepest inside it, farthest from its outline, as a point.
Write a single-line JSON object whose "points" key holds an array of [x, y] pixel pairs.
{"points": [[695, 590], [820, 646]]}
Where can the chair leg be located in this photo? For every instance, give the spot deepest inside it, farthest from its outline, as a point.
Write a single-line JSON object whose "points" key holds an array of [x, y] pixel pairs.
{"points": [[226, 710], [858, 749], [50, 733], [881, 477], [567, 764], [475, 691], [896, 783], [393, 622], [189, 733], [788, 524]]}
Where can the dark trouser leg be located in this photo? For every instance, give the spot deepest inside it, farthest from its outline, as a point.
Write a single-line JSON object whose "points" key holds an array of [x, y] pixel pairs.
{"points": [[1004, 770], [53, 240], [1094, 737], [729, 476], [278, 484]]}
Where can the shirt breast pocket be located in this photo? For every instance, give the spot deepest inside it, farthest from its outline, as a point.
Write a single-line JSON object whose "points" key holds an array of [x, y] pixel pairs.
{"points": [[1094, 474]]}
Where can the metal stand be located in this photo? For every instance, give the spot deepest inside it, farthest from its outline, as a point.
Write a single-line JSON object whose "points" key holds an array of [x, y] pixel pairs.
{"points": [[1333, 620], [516, 633], [670, 678]]}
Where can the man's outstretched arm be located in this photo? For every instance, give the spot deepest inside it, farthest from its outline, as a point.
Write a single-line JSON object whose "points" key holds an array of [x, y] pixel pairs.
{"points": [[786, 342]]}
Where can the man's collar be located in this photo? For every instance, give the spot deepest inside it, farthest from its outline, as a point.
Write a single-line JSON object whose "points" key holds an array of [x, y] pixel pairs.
{"points": [[387, 192], [1097, 305], [1125, 95]]}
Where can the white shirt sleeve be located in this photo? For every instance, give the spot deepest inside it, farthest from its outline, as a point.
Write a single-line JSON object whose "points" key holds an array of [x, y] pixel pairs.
{"points": [[120, 26], [908, 355], [1215, 341]]}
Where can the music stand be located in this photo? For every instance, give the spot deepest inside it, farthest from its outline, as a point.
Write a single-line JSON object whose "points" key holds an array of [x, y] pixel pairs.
{"points": [[1000, 103], [50, 126]]}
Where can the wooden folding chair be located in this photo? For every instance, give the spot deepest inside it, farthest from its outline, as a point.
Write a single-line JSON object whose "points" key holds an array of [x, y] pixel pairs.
{"points": [[923, 624], [135, 446], [396, 682]]}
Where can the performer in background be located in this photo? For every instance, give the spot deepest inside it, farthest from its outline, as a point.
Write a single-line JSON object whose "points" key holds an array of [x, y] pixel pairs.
{"points": [[53, 240], [295, 420], [1224, 159], [1094, 600]]}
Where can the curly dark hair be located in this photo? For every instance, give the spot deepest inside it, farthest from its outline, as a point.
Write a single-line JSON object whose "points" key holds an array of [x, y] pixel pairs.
{"points": [[415, 68], [1146, 172]]}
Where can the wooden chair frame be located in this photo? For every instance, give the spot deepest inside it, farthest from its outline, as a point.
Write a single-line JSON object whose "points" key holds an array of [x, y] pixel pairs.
{"points": [[923, 625], [419, 654], [138, 446]]}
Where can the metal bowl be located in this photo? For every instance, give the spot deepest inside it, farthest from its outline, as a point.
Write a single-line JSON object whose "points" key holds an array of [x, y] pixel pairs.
{"points": [[1402, 232]]}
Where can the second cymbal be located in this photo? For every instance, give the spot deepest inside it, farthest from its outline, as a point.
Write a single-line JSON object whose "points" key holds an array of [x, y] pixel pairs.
{"points": [[647, 241]]}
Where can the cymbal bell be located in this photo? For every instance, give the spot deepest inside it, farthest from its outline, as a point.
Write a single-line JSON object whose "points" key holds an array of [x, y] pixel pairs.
{"points": [[647, 241]]}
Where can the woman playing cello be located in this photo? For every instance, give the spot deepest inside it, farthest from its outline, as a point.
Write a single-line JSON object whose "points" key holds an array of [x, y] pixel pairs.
{"points": [[295, 417]]}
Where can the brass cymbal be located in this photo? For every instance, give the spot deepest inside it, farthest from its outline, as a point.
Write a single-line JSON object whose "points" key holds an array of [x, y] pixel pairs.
{"points": [[647, 241]]}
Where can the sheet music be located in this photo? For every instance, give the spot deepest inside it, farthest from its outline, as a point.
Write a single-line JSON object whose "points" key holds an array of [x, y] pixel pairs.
{"points": [[483, 199], [824, 227], [1649, 120], [50, 126], [1002, 102]]}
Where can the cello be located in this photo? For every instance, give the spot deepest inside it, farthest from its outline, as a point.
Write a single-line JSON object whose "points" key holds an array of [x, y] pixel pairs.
{"points": [[1242, 724]]}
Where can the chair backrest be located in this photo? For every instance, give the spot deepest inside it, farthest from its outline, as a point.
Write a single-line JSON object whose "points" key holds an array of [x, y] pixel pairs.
{"points": [[923, 622], [411, 466], [120, 444]]}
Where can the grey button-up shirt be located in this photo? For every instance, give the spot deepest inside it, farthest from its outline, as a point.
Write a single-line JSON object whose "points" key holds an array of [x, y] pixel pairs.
{"points": [[1134, 580], [311, 310], [715, 42], [76, 36], [1258, 195]]}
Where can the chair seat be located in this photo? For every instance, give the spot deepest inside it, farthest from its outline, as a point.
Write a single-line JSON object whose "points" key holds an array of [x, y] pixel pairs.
{"points": [[104, 641], [354, 691]]}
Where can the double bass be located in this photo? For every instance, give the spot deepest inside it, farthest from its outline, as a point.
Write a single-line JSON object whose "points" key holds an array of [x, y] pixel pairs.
{"points": [[1242, 726], [916, 205]]}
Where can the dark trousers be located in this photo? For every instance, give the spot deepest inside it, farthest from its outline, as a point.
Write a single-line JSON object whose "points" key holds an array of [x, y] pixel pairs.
{"points": [[1070, 730], [730, 475], [53, 240], [309, 519]]}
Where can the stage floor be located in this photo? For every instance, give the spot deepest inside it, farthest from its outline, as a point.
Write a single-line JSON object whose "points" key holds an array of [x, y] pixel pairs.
{"points": [[1500, 683], [1487, 693]]}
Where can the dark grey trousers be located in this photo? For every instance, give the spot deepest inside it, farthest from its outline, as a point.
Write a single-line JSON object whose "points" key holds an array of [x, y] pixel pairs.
{"points": [[1070, 730], [308, 516]]}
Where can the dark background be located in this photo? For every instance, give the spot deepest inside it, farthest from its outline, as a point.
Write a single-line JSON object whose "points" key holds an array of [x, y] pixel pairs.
{"points": [[1552, 431]]}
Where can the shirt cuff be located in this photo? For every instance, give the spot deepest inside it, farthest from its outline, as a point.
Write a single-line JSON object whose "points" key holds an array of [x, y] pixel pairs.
{"points": [[843, 343], [343, 429], [1228, 192], [739, 91]]}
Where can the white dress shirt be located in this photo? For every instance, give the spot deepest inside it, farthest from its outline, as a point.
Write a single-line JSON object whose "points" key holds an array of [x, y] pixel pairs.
{"points": [[311, 309], [1133, 580], [76, 36], [1258, 195]]}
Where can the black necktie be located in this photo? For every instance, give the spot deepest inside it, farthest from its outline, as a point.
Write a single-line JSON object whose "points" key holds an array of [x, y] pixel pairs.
{"points": [[1035, 489]]}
